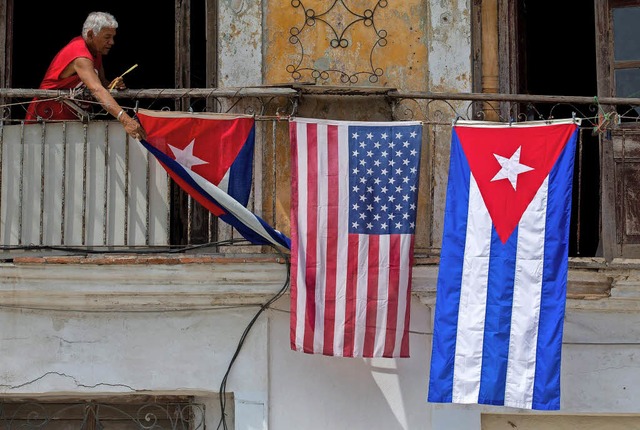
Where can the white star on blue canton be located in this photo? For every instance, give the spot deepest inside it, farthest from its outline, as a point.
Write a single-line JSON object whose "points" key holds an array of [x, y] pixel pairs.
{"points": [[380, 188]]}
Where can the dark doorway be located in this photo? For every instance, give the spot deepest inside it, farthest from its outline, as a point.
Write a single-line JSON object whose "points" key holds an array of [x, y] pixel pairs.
{"points": [[143, 38], [558, 57]]}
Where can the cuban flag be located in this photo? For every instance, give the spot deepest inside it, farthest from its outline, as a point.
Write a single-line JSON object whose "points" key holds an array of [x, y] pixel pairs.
{"points": [[210, 156], [501, 289]]}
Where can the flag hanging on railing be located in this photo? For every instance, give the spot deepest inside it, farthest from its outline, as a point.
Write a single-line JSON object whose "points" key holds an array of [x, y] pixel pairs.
{"points": [[210, 156], [353, 211], [502, 280]]}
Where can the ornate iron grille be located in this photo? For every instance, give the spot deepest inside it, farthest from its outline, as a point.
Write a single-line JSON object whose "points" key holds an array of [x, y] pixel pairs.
{"points": [[99, 416]]}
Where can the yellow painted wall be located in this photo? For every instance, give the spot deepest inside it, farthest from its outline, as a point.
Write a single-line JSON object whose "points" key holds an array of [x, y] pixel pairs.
{"points": [[296, 51]]}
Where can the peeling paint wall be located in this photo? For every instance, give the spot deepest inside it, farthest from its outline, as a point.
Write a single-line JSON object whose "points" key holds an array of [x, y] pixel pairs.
{"points": [[411, 45], [449, 36], [240, 43], [78, 346]]}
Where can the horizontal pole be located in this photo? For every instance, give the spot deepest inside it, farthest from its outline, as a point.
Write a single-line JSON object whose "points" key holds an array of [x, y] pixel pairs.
{"points": [[296, 91], [521, 98], [162, 92]]}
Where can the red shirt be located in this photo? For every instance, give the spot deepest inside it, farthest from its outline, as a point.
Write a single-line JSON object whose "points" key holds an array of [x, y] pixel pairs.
{"points": [[54, 109]]}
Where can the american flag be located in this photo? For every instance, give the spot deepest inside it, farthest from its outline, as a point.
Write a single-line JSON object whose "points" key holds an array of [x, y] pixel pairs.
{"points": [[353, 217]]}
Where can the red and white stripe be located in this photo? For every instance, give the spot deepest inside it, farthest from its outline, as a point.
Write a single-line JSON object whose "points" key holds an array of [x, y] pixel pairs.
{"points": [[350, 293]]}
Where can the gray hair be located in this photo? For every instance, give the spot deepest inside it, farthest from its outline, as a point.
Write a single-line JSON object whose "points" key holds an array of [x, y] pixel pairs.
{"points": [[96, 21]]}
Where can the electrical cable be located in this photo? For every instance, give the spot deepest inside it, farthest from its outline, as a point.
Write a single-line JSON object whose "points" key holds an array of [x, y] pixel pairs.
{"points": [[223, 384], [141, 251]]}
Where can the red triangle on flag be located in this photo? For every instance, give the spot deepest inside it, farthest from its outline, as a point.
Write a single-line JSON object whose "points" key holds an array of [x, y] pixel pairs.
{"points": [[213, 139], [509, 164]]}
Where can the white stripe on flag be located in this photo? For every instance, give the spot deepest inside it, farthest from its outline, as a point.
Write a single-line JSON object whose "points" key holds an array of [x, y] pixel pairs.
{"points": [[403, 287], [527, 291], [224, 182], [231, 205], [300, 274], [473, 298], [342, 239], [361, 294], [383, 295]]}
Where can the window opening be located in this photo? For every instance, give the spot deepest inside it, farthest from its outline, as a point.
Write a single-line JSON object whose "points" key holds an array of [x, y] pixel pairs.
{"points": [[558, 57], [149, 45], [626, 56]]}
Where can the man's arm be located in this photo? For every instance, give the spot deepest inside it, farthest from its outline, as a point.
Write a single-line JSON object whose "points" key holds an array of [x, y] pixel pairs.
{"points": [[85, 70], [102, 76]]}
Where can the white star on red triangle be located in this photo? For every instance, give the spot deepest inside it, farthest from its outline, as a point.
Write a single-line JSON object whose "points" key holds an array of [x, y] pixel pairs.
{"points": [[511, 168], [185, 156]]}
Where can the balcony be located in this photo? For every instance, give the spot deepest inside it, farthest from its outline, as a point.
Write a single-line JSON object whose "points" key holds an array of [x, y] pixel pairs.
{"points": [[85, 185]]}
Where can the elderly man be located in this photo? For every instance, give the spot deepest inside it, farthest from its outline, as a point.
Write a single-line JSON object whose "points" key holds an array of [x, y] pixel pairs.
{"points": [[78, 65]]}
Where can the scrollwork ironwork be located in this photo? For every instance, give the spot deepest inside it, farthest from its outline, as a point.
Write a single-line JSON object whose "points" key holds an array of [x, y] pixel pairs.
{"points": [[149, 416], [441, 111], [338, 41]]}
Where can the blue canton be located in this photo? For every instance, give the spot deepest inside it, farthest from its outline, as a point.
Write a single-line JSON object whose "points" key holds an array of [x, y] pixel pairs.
{"points": [[384, 164]]}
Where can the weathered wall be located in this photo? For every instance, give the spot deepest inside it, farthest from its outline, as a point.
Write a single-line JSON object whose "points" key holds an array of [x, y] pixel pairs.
{"points": [[510, 422], [363, 42], [92, 353], [239, 43], [62, 336], [449, 35]]}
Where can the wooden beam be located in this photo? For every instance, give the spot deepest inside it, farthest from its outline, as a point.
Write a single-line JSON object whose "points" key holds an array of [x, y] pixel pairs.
{"points": [[508, 55], [608, 241], [211, 31], [490, 70], [6, 44]]}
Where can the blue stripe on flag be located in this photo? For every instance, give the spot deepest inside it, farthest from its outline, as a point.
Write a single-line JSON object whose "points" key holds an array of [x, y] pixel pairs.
{"points": [[241, 171], [546, 391], [450, 276], [495, 348]]}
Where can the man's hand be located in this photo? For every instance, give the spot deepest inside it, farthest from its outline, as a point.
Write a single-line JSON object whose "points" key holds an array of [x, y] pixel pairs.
{"points": [[132, 127], [118, 84]]}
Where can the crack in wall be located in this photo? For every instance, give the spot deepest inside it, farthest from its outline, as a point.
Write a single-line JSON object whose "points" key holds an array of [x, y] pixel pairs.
{"points": [[78, 384]]}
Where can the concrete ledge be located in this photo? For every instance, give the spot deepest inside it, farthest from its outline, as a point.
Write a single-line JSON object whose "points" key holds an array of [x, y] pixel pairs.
{"points": [[174, 282], [119, 284]]}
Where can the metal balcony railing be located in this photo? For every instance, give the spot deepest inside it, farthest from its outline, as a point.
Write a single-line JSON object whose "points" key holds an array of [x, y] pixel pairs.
{"points": [[75, 184], [86, 184]]}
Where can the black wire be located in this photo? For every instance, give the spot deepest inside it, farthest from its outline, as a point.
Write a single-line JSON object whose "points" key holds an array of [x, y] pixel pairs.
{"points": [[223, 384], [76, 250]]}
